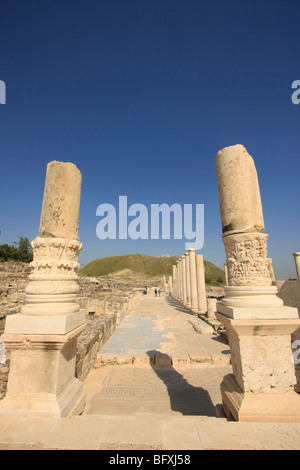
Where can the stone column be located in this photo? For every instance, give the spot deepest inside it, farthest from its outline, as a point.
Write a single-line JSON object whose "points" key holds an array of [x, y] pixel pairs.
{"points": [[42, 338], [201, 289], [179, 280], [183, 274], [259, 327], [193, 280], [211, 308], [170, 285], [297, 264], [187, 279], [174, 282]]}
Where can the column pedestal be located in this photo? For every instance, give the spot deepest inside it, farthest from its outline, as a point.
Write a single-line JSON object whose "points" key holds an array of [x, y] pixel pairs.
{"points": [[42, 379], [262, 385], [247, 406]]}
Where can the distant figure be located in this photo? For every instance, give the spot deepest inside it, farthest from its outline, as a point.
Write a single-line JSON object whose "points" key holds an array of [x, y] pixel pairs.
{"points": [[155, 292], [145, 291], [159, 293]]}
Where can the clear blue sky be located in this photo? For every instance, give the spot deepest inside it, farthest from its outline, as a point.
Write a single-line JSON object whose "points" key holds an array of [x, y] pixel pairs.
{"points": [[141, 95]]}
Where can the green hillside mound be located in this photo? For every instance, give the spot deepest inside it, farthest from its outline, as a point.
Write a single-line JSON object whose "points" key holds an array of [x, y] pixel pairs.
{"points": [[146, 266]]}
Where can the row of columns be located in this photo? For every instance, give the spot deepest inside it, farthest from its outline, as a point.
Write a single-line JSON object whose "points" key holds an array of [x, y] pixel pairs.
{"points": [[187, 283]]}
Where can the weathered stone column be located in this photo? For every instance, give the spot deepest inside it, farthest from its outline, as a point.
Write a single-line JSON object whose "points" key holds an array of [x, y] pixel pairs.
{"points": [[183, 273], [187, 279], [170, 285], [193, 280], [42, 339], [201, 289], [297, 264], [211, 308], [174, 281], [179, 280], [259, 327]]}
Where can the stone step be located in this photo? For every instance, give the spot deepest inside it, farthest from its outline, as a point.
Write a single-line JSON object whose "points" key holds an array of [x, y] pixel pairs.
{"points": [[158, 358], [145, 432]]}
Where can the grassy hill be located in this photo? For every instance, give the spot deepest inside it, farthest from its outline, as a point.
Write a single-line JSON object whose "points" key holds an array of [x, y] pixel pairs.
{"points": [[144, 265]]}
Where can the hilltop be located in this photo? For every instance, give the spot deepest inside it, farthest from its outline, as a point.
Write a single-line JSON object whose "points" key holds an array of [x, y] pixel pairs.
{"points": [[133, 265]]}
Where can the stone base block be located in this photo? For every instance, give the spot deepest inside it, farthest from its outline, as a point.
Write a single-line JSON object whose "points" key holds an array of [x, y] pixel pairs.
{"points": [[261, 353], [261, 313], [260, 407], [42, 379], [51, 324], [68, 401]]}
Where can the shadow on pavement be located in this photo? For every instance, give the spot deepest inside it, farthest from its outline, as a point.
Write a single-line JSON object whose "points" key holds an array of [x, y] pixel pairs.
{"points": [[184, 397], [178, 306]]}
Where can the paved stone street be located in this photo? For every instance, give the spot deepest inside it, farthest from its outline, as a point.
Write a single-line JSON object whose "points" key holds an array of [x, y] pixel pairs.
{"points": [[156, 386], [168, 367]]}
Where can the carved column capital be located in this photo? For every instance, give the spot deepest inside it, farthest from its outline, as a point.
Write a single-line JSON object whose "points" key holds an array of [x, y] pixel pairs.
{"points": [[53, 282], [246, 259]]}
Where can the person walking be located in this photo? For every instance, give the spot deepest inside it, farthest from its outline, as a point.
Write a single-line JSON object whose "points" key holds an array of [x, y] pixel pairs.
{"points": [[155, 292]]}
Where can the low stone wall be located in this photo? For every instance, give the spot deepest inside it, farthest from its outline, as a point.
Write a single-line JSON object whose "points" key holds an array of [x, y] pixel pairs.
{"points": [[91, 340], [4, 369], [289, 292]]}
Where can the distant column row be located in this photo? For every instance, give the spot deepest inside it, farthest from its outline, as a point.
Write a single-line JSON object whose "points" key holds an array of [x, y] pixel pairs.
{"points": [[187, 284]]}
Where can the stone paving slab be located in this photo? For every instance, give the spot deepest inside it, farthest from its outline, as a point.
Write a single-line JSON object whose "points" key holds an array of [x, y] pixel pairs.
{"points": [[145, 431], [194, 390], [165, 335]]}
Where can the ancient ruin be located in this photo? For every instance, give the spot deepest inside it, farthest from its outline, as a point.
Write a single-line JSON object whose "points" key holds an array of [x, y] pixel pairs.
{"points": [[62, 328]]}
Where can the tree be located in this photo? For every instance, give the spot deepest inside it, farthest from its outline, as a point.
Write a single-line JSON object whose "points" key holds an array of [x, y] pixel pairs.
{"points": [[18, 251]]}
